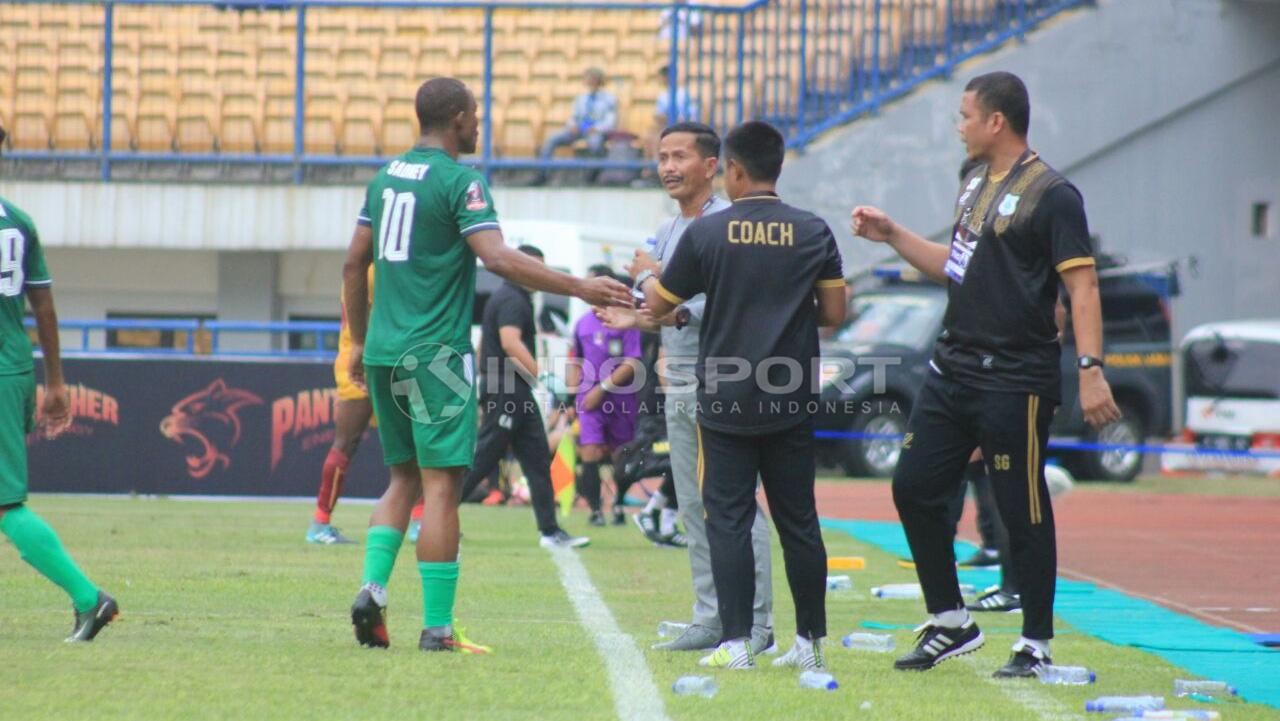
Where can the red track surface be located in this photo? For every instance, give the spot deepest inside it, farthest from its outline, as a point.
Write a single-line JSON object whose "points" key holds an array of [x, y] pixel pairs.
{"points": [[1213, 557]]}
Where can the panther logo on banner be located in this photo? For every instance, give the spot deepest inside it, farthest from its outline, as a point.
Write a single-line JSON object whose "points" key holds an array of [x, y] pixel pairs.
{"points": [[207, 424]]}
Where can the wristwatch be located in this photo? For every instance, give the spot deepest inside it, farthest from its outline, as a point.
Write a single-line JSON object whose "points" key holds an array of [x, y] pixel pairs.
{"points": [[1087, 361]]}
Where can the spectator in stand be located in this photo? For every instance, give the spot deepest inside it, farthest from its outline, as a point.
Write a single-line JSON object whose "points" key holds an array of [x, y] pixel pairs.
{"points": [[595, 115]]}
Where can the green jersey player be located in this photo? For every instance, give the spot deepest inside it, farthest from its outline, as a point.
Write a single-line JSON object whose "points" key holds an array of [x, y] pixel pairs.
{"points": [[24, 277], [425, 220]]}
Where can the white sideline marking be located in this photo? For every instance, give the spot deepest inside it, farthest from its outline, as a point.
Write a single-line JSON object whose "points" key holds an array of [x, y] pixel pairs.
{"points": [[1026, 693], [635, 695]]}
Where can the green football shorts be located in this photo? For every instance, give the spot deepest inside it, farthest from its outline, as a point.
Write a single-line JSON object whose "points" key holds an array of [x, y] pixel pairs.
{"points": [[17, 419], [426, 408]]}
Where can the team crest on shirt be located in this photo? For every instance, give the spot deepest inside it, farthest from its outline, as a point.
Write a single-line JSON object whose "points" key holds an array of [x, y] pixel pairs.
{"points": [[1009, 204], [615, 347], [475, 197]]}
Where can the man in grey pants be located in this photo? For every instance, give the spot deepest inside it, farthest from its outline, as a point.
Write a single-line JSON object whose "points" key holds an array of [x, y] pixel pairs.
{"points": [[688, 155]]}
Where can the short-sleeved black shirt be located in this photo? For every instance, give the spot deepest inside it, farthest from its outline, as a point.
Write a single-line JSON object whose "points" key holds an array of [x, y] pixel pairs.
{"points": [[998, 330], [759, 263], [509, 305]]}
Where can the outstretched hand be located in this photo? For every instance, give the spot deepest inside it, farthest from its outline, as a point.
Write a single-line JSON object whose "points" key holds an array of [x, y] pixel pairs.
{"points": [[604, 291]]}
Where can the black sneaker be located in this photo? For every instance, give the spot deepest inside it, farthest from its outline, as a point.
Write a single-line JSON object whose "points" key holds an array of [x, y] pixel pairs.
{"points": [[369, 620], [596, 519], [619, 517], [1026, 662], [936, 644], [983, 558], [88, 624], [455, 642], [996, 601], [644, 521]]}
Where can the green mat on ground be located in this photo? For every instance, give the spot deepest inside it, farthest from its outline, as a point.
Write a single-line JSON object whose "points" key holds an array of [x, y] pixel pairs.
{"points": [[1208, 651]]}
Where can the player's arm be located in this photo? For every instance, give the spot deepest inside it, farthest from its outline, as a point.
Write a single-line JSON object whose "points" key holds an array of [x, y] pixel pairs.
{"points": [[680, 280], [355, 296], [529, 272], [1086, 320], [513, 345], [829, 288], [926, 256], [56, 409], [1060, 217]]}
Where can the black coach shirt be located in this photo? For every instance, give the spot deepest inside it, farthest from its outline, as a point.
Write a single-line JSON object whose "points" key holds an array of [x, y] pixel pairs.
{"points": [[1013, 236], [759, 263], [509, 305]]}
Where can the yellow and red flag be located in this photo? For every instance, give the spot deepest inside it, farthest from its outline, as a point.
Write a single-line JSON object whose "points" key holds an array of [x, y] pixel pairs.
{"points": [[564, 473]]}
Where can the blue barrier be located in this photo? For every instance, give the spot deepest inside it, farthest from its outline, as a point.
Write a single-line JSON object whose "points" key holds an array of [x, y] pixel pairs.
{"points": [[1073, 446], [805, 65], [318, 330]]}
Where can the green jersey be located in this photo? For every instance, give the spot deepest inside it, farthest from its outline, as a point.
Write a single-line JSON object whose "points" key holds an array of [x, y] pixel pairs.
{"points": [[21, 267], [421, 208]]}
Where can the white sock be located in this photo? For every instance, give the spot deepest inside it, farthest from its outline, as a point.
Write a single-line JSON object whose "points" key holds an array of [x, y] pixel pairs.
{"points": [[656, 501], [951, 619], [1041, 646], [667, 521], [737, 646], [378, 592], [803, 644]]}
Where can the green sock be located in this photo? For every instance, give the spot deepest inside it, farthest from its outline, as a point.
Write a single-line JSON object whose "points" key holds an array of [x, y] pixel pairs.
{"points": [[381, 547], [439, 587], [39, 546]]}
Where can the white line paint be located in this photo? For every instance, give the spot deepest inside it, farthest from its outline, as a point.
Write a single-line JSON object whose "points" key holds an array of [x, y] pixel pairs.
{"points": [[1167, 602], [635, 695], [1026, 693]]}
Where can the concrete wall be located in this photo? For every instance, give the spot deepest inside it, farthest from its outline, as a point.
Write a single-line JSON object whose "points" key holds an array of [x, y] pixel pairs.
{"points": [[1163, 112]]}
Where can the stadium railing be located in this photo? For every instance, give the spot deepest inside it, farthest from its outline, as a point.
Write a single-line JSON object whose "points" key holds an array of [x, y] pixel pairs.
{"points": [[804, 65], [202, 337]]}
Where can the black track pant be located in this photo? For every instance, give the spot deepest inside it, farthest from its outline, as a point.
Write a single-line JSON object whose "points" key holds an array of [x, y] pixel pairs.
{"points": [[990, 527], [668, 491], [516, 422], [728, 466], [947, 422]]}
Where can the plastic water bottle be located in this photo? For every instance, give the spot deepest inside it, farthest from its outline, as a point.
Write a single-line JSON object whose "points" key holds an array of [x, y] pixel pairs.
{"points": [[671, 629], [1125, 704], [818, 679], [876, 642], [839, 583], [1179, 715], [897, 591], [704, 686], [1183, 687], [1067, 675]]}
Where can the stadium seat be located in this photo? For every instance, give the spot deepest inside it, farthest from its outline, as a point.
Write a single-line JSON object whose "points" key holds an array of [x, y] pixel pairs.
{"points": [[196, 121], [241, 115], [277, 126], [73, 122], [361, 129]]}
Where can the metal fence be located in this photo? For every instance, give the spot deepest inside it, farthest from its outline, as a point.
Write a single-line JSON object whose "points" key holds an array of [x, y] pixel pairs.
{"points": [[306, 83]]}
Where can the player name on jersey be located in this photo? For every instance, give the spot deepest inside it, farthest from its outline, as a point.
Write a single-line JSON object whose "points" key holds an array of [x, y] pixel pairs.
{"points": [[746, 232], [408, 171]]}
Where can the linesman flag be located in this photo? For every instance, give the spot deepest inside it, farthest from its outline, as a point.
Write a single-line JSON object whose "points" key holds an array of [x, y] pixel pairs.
{"points": [[564, 468]]}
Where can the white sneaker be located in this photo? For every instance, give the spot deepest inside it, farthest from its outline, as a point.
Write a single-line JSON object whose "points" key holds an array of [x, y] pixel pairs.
{"points": [[560, 539], [734, 655], [805, 656]]}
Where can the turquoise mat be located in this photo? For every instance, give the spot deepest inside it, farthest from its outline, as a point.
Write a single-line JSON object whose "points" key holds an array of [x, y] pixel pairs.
{"points": [[1204, 650]]}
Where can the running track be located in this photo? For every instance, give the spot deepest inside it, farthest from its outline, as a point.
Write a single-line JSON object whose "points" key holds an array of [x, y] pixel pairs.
{"points": [[1211, 557]]}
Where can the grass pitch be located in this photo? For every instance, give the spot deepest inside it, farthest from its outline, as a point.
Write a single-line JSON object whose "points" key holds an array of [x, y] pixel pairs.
{"points": [[227, 613]]}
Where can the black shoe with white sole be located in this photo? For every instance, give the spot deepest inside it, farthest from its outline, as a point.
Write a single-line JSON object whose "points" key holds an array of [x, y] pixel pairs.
{"points": [[1026, 662], [936, 644], [996, 601]]}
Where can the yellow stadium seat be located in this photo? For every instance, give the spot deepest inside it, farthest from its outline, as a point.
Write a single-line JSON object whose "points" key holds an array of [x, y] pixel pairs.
{"points": [[361, 132], [155, 124], [74, 122], [354, 63], [241, 119], [31, 122], [196, 121], [322, 121], [277, 127]]}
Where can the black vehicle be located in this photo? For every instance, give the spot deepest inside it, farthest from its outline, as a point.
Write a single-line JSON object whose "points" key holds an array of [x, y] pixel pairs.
{"points": [[893, 328]]}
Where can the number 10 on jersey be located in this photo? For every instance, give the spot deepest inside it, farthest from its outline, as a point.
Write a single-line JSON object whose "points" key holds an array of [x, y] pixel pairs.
{"points": [[396, 229]]}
